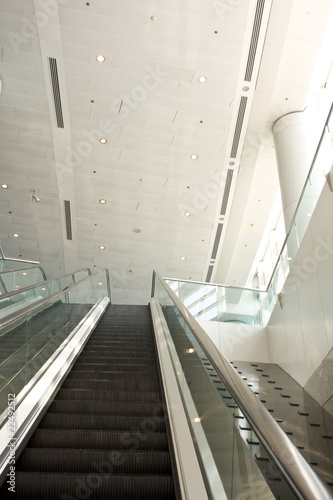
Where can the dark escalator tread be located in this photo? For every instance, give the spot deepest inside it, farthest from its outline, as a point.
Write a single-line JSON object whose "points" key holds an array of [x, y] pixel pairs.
{"points": [[105, 422], [95, 486], [102, 461], [123, 385], [131, 384], [107, 407], [87, 439], [102, 395], [115, 366]]}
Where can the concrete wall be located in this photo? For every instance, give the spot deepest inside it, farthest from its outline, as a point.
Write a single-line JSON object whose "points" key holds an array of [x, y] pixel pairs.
{"points": [[300, 333], [238, 342]]}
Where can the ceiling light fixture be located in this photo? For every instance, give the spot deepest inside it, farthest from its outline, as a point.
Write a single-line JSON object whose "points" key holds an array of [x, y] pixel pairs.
{"points": [[102, 202], [103, 140], [100, 58], [15, 235], [197, 420], [182, 258], [202, 79], [4, 186], [24, 274], [187, 214], [153, 18], [101, 247], [231, 163], [194, 157], [246, 89], [289, 258]]}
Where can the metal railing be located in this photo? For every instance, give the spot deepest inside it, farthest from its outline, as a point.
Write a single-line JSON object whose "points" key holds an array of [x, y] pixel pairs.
{"points": [[299, 476]]}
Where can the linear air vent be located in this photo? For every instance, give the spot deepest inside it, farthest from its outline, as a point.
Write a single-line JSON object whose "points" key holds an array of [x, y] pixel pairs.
{"points": [[254, 40], [209, 274], [217, 241], [238, 128], [68, 219], [226, 193], [56, 91]]}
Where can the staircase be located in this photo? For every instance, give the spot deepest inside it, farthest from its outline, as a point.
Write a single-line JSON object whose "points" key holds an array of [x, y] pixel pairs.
{"points": [[104, 435]]}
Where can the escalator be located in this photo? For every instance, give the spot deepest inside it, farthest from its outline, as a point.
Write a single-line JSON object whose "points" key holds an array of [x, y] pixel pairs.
{"points": [[93, 421], [105, 434]]}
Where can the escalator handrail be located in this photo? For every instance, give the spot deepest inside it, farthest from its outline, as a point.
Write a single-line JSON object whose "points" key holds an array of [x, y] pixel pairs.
{"points": [[298, 474], [41, 283], [42, 272], [26, 310]]}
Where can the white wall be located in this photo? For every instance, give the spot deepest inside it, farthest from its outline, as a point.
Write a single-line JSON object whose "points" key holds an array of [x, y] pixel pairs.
{"points": [[238, 342], [300, 334]]}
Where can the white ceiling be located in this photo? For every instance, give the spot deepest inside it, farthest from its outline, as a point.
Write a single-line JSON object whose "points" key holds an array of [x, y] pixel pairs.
{"points": [[147, 101]]}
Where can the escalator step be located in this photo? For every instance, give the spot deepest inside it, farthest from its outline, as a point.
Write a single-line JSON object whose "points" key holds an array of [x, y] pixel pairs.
{"points": [[101, 395], [101, 461], [127, 385], [56, 486], [105, 422], [112, 374], [107, 407], [115, 366], [87, 439]]}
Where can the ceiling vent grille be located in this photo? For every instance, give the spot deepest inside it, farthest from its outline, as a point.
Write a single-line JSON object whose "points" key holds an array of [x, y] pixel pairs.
{"points": [[56, 91], [217, 241], [68, 219], [239, 126], [254, 40], [226, 192], [209, 274]]}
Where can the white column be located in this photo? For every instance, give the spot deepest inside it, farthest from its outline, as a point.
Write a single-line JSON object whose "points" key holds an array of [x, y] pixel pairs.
{"points": [[295, 139]]}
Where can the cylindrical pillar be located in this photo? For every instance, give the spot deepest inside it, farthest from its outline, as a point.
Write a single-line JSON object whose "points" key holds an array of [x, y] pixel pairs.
{"points": [[295, 144]]}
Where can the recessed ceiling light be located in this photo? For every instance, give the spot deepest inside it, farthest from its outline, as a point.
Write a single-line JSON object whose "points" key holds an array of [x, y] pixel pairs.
{"points": [[102, 202], [136, 230], [194, 157], [100, 58], [308, 215], [103, 140], [197, 419], [100, 284], [43, 289], [15, 235], [182, 258], [102, 247], [289, 258], [231, 163], [153, 18], [24, 274], [4, 186], [202, 79], [190, 350], [187, 214], [246, 88]]}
